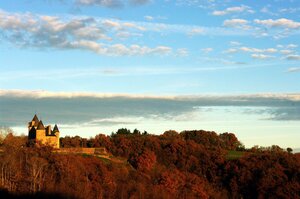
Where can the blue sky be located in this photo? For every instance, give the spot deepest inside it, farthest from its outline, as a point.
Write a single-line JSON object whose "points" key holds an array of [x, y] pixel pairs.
{"points": [[155, 48]]}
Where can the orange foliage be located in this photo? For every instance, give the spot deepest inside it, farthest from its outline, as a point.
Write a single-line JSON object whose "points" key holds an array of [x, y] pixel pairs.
{"points": [[191, 164]]}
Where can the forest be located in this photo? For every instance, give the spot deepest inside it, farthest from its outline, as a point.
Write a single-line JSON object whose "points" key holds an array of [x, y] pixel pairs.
{"points": [[189, 164]]}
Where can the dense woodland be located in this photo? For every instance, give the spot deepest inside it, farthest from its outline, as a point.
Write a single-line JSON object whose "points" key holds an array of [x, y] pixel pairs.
{"points": [[190, 164]]}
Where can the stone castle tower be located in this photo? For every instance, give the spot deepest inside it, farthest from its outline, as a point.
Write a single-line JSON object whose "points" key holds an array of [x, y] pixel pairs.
{"points": [[38, 132]]}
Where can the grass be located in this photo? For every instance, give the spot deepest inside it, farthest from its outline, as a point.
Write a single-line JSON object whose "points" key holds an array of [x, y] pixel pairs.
{"points": [[86, 155], [105, 160], [232, 155]]}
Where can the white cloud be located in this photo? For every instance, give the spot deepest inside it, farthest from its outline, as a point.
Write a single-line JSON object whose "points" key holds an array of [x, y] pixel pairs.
{"points": [[266, 10], [139, 2], [42, 31], [207, 4], [110, 3], [111, 24], [289, 10], [280, 23], [86, 44], [152, 18], [294, 69], [122, 50], [292, 46], [104, 3], [289, 46], [231, 10], [231, 50], [127, 34], [91, 32], [293, 57], [261, 56], [235, 43], [236, 23], [286, 52], [280, 46], [192, 30], [257, 50], [40, 28], [256, 53], [149, 18], [207, 50], [133, 25], [182, 52], [118, 25], [196, 31]]}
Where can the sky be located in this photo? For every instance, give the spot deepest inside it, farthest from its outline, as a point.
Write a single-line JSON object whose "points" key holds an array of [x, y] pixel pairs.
{"points": [[93, 66]]}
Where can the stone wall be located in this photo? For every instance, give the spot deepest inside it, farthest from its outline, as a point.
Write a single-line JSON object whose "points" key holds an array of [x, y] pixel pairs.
{"points": [[47, 140], [89, 151]]}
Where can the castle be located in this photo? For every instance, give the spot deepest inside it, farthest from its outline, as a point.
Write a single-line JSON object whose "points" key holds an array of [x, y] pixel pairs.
{"points": [[38, 132]]}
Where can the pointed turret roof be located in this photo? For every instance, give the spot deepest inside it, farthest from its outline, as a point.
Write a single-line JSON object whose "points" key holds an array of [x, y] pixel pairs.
{"points": [[41, 126], [55, 129], [35, 119]]}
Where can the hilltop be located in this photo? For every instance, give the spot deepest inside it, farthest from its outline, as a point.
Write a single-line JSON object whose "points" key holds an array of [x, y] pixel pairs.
{"points": [[190, 164]]}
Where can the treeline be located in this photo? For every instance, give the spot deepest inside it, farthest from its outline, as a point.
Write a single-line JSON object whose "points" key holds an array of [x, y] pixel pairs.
{"points": [[208, 139], [190, 164]]}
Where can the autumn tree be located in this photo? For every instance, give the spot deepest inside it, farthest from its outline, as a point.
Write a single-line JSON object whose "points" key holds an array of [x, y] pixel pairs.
{"points": [[143, 161], [229, 141], [4, 131]]}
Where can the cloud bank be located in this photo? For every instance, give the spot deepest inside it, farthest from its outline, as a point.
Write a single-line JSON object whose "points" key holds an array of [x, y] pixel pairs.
{"points": [[107, 109]]}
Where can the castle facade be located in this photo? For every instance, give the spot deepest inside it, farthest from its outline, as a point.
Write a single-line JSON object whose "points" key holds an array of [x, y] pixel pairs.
{"points": [[38, 133]]}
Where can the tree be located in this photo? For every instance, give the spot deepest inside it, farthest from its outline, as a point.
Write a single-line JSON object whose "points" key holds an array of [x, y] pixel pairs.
{"points": [[230, 141], [136, 132], [123, 131], [170, 133], [144, 161], [4, 131], [289, 150], [209, 139]]}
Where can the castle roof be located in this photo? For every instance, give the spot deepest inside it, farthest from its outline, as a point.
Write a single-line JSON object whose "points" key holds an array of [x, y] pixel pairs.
{"points": [[41, 126], [55, 129], [35, 119]]}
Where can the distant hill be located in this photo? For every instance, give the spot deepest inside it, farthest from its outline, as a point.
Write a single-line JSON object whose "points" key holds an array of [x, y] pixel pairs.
{"points": [[189, 164]]}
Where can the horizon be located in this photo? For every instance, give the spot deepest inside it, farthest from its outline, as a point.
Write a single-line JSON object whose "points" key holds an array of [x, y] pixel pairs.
{"points": [[96, 66], [88, 114]]}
